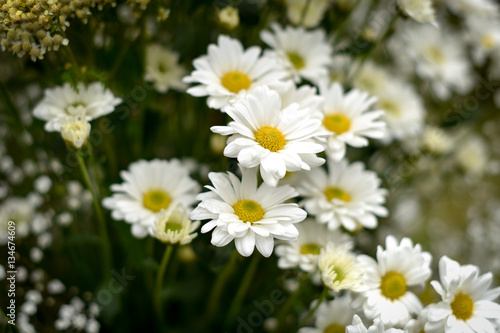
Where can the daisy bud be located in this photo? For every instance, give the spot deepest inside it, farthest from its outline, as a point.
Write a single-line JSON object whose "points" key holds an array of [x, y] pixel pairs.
{"points": [[75, 132], [229, 17], [174, 226]]}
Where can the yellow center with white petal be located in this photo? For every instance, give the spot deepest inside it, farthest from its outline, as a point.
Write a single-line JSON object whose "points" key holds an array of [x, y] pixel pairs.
{"points": [[393, 285], [235, 81], [488, 41], [248, 211], [336, 193], [270, 138], [435, 54], [310, 248], [173, 226], [296, 60], [156, 200], [337, 122], [462, 306], [390, 107], [334, 328]]}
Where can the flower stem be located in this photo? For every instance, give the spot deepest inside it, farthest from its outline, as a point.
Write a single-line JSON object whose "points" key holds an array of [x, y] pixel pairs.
{"points": [[289, 303], [214, 298], [100, 218], [159, 280], [311, 312], [235, 306]]}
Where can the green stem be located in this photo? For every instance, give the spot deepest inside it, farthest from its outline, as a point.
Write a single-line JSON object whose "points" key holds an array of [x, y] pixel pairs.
{"points": [[214, 298], [289, 303], [159, 280], [95, 170], [304, 12], [311, 312], [100, 218], [235, 306]]}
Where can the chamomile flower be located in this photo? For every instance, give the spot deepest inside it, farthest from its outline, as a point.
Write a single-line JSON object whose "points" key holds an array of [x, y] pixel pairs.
{"points": [[229, 72], [332, 316], [371, 78], [305, 96], [149, 187], [251, 215], [340, 269], [263, 134], [172, 225], [163, 68], [467, 303], [439, 57], [305, 251], [348, 196], [484, 35], [377, 327], [312, 17], [419, 10], [349, 119], [404, 111], [388, 279], [475, 8], [61, 103], [303, 54]]}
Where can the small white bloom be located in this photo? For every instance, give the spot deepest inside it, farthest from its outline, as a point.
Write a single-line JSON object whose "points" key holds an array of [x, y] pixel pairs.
{"points": [[340, 268], [43, 184], [305, 96], [305, 251], [19, 210], [149, 187], [467, 304], [436, 140], [377, 327], [75, 131], [348, 196], [349, 119], [228, 72], [229, 17], [263, 134], [172, 225], [64, 102], [420, 10], [472, 155], [55, 287], [371, 78], [251, 215], [303, 54], [332, 316], [484, 35], [386, 280], [163, 68], [312, 17], [474, 8]]}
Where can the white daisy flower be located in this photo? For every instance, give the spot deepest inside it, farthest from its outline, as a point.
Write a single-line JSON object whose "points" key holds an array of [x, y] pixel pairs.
{"points": [[377, 327], [228, 72], [349, 119], [439, 57], [477, 8], [404, 111], [21, 211], [340, 269], [263, 134], [312, 17], [417, 325], [484, 35], [372, 78], [305, 251], [251, 215], [467, 305], [149, 187], [305, 96], [348, 196], [303, 54], [163, 68], [332, 316], [419, 10], [387, 280], [172, 225], [64, 102]]}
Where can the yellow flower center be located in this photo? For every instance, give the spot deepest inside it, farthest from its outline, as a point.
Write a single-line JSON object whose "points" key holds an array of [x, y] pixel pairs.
{"points": [[336, 193], [435, 54], [393, 285], [162, 68], [339, 274], [156, 200], [248, 211], [390, 107], [488, 41], [462, 306], [337, 123], [172, 226], [270, 138], [334, 328], [310, 248], [296, 60], [236, 81]]}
